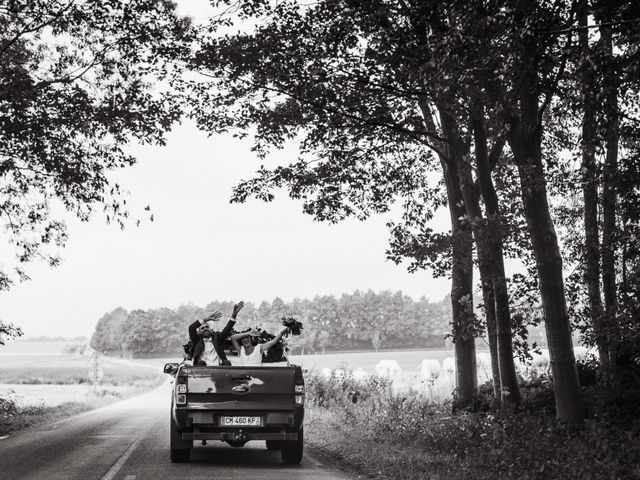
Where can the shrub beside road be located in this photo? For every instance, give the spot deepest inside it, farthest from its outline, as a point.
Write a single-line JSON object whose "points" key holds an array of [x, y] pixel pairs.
{"points": [[366, 428]]}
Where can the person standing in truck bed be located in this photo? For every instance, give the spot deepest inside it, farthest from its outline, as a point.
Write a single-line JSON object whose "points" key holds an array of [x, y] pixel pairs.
{"points": [[208, 344]]}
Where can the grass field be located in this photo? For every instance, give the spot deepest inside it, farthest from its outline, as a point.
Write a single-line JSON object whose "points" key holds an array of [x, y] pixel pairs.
{"points": [[67, 373], [40, 373]]}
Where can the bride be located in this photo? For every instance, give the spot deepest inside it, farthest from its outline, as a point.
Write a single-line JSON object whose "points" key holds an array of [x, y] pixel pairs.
{"points": [[246, 344]]}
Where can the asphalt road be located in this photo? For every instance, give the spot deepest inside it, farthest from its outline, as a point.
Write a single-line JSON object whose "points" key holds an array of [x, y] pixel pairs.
{"points": [[129, 440]]}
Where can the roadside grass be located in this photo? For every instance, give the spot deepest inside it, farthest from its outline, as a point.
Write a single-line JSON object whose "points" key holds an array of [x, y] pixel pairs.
{"points": [[14, 416], [366, 428], [350, 447]]}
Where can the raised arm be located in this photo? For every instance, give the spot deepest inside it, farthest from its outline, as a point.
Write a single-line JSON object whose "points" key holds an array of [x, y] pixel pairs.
{"points": [[267, 345], [193, 331], [239, 336], [226, 331], [195, 326], [235, 345]]}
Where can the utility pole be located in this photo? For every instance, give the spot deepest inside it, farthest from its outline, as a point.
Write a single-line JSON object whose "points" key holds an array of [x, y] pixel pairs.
{"points": [[95, 370]]}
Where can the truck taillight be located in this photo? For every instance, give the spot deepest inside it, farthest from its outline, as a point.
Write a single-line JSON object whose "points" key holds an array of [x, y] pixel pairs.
{"points": [[181, 399], [299, 399], [298, 379], [182, 388]]}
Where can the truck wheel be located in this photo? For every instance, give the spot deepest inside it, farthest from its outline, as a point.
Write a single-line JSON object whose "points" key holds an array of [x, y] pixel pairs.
{"points": [[180, 449], [291, 452], [180, 455], [273, 444]]}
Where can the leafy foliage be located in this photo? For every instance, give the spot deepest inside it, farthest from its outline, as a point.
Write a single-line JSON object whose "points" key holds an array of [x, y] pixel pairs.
{"points": [[78, 82], [8, 330], [346, 90]]}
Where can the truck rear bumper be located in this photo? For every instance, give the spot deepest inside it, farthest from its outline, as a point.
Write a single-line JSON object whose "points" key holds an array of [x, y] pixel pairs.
{"points": [[240, 434]]}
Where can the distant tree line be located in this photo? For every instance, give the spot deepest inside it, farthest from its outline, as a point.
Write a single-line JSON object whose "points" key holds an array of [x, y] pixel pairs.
{"points": [[357, 321]]}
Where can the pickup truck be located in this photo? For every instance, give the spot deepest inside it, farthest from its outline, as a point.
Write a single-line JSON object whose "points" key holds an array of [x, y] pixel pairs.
{"points": [[237, 404]]}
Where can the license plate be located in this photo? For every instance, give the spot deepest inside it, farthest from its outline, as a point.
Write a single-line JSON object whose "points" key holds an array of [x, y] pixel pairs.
{"points": [[240, 421]]}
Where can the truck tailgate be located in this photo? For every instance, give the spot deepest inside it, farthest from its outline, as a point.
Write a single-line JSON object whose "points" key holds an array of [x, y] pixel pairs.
{"points": [[240, 388]]}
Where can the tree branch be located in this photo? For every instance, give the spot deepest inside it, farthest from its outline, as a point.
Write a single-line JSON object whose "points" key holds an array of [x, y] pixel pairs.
{"points": [[496, 151], [72, 76], [415, 135], [29, 29], [599, 25]]}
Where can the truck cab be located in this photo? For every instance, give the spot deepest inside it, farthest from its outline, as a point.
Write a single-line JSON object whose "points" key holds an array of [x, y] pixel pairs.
{"points": [[236, 404]]}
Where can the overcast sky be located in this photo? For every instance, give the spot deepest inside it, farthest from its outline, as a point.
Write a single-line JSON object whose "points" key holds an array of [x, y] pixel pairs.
{"points": [[201, 248]]}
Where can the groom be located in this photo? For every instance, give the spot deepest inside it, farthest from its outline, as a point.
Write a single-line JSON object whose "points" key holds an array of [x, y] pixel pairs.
{"points": [[208, 344]]}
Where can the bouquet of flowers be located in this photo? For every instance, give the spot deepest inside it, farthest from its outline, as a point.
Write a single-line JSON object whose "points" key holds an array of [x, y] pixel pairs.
{"points": [[294, 326]]}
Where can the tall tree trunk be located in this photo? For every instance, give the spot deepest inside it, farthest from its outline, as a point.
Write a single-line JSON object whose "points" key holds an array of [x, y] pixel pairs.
{"points": [[484, 166], [609, 195], [463, 330], [461, 290], [478, 227], [590, 187], [525, 143], [488, 298], [527, 151], [525, 139]]}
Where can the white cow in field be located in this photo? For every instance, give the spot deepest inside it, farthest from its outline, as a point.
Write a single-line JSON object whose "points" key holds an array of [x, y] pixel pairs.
{"points": [[449, 367], [483, 358], [583, 353], [388, 368], [580, 352], [446, 381], [541, 361], [483, 365], [521, 368], [339, 373], [359, 375], [429, 369], [428, 372]]}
